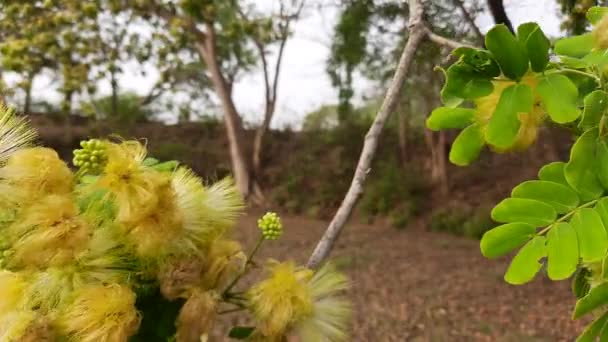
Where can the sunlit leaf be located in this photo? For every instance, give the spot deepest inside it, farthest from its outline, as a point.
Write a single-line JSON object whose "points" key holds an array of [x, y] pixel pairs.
{"points": [[466, 146], [602, 209], [447, 117], [464, 83], [580, 171], [529, 211], [536, 43], [595, 105], [562, 198], [593, 330], [577, 46], [525, 264], [559, 96], [505, 238], [553, 172], [508, 51], [504, 124], [601, 157], [562, 251], [596, 13], [597, 296], [591, 234]]}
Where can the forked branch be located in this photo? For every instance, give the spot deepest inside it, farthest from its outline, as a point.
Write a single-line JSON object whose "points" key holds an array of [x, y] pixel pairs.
{"points": [[417, 32]]}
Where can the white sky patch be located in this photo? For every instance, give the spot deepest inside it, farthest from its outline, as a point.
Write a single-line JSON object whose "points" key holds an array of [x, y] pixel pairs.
{"points": [[304, 84]]}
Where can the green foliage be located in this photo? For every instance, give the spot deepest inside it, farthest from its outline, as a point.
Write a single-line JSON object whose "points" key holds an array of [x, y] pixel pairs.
{"points": [[472, 223], [129, 109], [559, 222]]}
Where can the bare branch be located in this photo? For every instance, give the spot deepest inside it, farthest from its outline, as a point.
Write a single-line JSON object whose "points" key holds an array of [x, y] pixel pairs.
{"points": [[471, 21], [440, 40], [417, 33]]}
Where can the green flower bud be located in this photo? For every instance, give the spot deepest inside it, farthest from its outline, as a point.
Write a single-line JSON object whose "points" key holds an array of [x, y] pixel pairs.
{"points": [[271, 226], [91, 158]]}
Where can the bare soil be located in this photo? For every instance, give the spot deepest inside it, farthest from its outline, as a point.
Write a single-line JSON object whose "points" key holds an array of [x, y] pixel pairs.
{"points": [[414, 285]]}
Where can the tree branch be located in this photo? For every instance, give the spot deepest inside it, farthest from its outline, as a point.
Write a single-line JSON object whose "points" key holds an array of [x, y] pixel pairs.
{"points": [[440, 40], [417, 33], [471, 21]]}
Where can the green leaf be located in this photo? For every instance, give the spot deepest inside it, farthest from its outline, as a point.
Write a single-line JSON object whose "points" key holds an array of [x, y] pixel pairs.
{"points": [[553, 172], [562, 251], [508, 51], [467, 146], [464, 83], [602, 209], [536, 43], [241, 333], [597, 296], [479, 60], [595, 104], [580, 171], [591, 234], [593, 330], [562, 198], [597, 58], [559, 96], [596, 13], [504, 124], [150, 161], [577, 46], [525, 264], [574, 63], [446, 118], [168, 166], [529, 211], [601, 157], [505, 238], [580, 285], [447, 98]]}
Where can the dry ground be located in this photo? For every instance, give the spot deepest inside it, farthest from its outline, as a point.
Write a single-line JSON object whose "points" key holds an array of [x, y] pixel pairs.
{"points": [[413, 285]]}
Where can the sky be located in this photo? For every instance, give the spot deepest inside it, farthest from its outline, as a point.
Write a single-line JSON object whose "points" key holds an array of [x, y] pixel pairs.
{"points": [[304, 85]]}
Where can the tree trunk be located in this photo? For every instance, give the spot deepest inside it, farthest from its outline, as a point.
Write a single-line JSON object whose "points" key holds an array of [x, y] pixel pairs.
{"points": [[258, 141], [441, 164], [497, 7], [232, 120], [27, 104], [114, 84]]}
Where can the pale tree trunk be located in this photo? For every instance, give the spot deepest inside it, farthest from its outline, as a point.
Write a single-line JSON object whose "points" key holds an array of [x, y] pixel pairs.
{"points": [[232, 120], [271, 87], [27, 103]]}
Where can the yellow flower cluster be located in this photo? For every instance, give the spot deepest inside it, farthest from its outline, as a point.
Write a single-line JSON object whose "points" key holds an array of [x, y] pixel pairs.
{"points": [[74, 248], [78, 249], [299, 301]]}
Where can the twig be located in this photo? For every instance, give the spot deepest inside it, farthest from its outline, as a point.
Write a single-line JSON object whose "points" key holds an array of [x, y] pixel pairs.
{"points": [[417, 32], [471, 21], [437, 39]]}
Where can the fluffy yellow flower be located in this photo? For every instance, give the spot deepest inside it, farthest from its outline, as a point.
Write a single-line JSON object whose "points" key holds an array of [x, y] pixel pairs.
{"points": [[296, 300], [14, 325], [12, 286], [100, 314], [156, 232], [331, 311], [15, 132], [282, 299], [50, 234], [132, 186], [225, 261], [207, 211], [49, 289], [196, 316], [529, 122], [37, 171]]}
